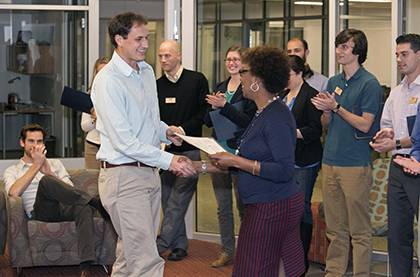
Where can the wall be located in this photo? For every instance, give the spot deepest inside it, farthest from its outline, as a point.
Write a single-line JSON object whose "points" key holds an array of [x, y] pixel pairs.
{"points": [[153, 10]]}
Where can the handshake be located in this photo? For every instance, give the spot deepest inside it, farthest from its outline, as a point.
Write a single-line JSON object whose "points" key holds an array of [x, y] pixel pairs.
{"points": [[182, 166]]}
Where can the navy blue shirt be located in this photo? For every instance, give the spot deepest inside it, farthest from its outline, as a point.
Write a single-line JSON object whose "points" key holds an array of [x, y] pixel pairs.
{"points": [[269, 139], [361, 92]]}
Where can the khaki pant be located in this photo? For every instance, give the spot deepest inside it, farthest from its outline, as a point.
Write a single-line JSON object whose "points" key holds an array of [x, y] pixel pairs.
{"points": [[346, 199], [90, 156], [131, 195]]}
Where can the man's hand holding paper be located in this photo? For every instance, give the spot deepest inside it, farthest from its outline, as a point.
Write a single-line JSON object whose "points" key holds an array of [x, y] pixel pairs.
{"points": [[171, 134]]}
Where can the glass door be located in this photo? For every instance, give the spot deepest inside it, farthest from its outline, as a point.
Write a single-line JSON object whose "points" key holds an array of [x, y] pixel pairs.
{"points": [[41, 51], [255, 32]]}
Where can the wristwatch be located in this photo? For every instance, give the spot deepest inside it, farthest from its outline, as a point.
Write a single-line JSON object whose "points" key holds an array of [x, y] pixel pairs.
{"points": [[204, 166], [335, 110], [398, 145]]}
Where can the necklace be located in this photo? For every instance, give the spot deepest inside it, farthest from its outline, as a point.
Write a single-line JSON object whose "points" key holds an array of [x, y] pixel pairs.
{"points": [[252, 123], [260, 110]]}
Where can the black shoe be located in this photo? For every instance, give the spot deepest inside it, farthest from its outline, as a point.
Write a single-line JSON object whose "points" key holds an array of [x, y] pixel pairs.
{"points": [[177, 254], [96, 203]]}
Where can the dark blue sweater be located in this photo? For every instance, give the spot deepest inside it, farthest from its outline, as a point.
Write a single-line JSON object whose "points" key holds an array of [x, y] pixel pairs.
{"points": [[269, 139]]}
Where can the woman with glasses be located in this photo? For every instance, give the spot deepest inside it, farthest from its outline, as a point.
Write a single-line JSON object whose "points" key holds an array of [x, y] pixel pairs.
{"points": [[229, 102], [269, 241], [308, 152]]}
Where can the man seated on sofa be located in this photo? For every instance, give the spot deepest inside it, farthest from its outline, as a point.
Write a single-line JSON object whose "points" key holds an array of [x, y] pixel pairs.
{"points": [[48, 194]]}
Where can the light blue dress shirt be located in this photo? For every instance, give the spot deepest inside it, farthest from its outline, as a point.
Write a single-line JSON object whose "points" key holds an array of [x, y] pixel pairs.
{"points": [[128, 118], [401, 104]]}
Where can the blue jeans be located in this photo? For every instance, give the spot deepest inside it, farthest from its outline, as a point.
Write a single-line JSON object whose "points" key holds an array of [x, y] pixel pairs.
{"points": [[305, 179]]}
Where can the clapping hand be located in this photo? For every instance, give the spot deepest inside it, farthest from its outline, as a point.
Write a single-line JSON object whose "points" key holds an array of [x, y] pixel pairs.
{"points": [[324, 101], [218, 100], [182, 166], [38, 155], [383, 141], [171, 135], [410, 165]]}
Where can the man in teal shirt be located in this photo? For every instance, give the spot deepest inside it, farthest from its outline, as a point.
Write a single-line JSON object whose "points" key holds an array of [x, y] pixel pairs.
{"points": [[346, 168]]}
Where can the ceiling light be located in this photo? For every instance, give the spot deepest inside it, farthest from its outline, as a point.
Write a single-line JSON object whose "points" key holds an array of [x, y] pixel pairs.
{"points": [[314, 3], [309, 3]]}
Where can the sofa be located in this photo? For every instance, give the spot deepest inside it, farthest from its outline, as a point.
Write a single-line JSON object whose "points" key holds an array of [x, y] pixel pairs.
{"points": [[37, 243]]}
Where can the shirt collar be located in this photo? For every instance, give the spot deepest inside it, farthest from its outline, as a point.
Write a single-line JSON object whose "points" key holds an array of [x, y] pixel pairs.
{"points": [[416, 81], [22, 164], [175, 78], [356, 75], [124, 67]]}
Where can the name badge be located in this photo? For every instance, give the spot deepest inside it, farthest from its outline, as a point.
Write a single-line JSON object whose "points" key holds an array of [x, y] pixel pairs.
{"points": [[338, 91], [170, 100], [413, 100]]}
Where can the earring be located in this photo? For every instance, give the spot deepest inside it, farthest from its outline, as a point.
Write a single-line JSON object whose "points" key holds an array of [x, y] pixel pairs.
{"points": [[255, 87]]}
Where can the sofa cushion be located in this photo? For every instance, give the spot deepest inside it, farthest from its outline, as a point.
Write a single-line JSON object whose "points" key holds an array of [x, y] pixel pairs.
{"points": [[86, 180], [377, 197]]}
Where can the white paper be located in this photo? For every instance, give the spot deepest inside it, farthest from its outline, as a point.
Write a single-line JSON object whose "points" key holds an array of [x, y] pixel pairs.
{"points": [[208, 145]]}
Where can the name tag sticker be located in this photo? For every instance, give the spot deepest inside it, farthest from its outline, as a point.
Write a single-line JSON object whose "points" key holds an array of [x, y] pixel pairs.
{"points": [[413, 100], [338, 91], [170, 100]]}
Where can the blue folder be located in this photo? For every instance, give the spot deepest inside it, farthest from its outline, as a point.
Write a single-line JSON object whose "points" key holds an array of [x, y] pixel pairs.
{"points": [[77, 100], [223, 127]]}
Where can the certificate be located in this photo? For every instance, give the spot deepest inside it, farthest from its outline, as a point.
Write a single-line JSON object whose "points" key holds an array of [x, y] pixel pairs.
{"points": [[208, 145]]}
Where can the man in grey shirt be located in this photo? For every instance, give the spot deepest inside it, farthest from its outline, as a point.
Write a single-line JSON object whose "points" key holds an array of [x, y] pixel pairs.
{"points": [[299, 47]]}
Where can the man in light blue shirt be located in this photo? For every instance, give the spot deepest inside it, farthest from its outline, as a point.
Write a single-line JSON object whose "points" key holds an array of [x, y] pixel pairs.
{"points": [[125, 99]]}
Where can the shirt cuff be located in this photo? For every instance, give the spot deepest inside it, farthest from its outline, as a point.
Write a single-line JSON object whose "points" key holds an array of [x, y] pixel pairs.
{"points": [[165, 160]]}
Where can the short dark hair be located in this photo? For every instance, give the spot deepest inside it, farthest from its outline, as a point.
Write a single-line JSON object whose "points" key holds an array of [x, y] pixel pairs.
{"points": [[32, 127], [413, 39], [297, 64], [304, 42], [360, 42], [121, 24], [271, 65]]}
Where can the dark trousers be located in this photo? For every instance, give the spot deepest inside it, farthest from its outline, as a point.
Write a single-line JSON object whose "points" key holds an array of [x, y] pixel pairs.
{"points": [[305, 179], [177, 193], [57, 201], [403, 204], [269, 235]]}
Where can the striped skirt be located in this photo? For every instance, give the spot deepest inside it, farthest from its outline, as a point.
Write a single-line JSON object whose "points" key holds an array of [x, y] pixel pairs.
{"points": [[270, 233]]}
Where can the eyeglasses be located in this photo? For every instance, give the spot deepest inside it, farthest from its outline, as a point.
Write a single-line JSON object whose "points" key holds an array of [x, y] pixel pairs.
{"points": [[235, 60], [243, 71]]}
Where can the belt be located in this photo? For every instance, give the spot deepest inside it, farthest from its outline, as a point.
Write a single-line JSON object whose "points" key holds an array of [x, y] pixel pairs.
{"points": [[137, 164]]}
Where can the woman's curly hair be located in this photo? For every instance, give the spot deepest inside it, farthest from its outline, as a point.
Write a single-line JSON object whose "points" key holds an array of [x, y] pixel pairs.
{"points": [[271, 65]]}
